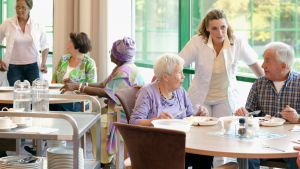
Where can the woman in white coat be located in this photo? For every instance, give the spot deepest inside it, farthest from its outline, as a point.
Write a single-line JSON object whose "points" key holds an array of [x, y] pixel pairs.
{"points": [[215, 51], [24, 39]]}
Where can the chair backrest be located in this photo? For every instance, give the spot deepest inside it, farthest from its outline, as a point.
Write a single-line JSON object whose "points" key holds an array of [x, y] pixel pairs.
{"points": [[127, 99], [151, 147]]}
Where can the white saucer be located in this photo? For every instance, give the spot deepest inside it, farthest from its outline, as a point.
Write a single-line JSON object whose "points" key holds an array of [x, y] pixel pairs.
{"points": [[12, 125], [24, 124]]}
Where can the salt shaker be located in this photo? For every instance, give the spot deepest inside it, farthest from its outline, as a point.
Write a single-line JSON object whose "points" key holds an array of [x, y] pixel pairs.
{"points": [[250, 128]]}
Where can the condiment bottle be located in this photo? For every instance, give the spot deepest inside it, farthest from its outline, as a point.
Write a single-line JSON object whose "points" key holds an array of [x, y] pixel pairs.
{"points": [[242, 128], [250, 129]]}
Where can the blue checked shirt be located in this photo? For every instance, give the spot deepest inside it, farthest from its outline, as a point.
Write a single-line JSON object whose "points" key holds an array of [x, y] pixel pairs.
{"points": [[264, 96]]}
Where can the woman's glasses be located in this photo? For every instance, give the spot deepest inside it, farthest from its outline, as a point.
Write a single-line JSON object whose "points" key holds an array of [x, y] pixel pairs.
{"points": [[21, 8]]}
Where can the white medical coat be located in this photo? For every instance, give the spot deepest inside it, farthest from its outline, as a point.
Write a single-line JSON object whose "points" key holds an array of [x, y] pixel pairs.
{"points": [[8, 29], [197, 51]]}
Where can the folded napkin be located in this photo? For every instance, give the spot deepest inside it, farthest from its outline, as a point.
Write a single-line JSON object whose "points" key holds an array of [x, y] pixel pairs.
{"points": [[37, 130], [296, 128]]}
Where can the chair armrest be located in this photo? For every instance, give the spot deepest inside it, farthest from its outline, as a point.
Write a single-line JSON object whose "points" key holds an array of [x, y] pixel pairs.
{"points": [[230, 165]]}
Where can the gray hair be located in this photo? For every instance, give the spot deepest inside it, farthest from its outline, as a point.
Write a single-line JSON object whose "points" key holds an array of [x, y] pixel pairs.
{"points": [[166, 64], [284, 53]]}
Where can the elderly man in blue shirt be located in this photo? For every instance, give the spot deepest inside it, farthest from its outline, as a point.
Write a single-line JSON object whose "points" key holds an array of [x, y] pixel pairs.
{"points": [[277, 93]]}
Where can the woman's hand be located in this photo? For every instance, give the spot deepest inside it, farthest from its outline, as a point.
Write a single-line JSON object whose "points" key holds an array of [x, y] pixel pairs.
{"points": [[3, 66], [165, 115], [202, 111], [67, 80], [69, 87]]}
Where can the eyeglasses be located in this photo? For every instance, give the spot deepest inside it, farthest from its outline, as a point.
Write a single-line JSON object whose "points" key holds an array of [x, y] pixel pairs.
{"points": [[21, 8]]}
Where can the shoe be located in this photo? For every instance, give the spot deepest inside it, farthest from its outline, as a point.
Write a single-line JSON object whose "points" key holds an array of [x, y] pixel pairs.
{"points": [[30, 150], [3, 154]]}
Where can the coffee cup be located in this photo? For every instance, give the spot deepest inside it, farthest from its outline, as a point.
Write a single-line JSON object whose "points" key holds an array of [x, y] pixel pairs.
{"points": [[15, 119], [5, 122]]}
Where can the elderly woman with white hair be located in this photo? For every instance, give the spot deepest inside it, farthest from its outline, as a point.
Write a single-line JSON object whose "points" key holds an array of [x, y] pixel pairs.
{"points": [[164, 98]]}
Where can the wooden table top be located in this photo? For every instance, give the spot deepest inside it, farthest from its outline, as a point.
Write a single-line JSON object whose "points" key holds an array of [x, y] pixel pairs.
{"points": [[8, 98], [199, 142]]}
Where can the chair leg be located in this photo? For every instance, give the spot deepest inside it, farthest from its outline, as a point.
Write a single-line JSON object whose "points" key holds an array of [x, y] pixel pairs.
{"points": [[125, 151]]}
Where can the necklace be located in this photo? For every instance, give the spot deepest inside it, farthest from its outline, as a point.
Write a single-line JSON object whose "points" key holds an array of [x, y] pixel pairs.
{"points": [[163, 95]]}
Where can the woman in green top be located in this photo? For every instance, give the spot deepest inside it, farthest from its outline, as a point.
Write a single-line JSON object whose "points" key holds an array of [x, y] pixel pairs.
{"points": [[76, 66]]}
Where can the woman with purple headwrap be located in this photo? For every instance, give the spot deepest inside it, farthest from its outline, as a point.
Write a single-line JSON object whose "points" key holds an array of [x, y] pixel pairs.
{"points": [[124, 75]]}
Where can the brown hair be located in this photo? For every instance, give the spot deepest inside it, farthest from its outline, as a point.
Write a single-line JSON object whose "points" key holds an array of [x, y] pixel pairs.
{"points": [[81, 41], [29, 3], [211, 15]]}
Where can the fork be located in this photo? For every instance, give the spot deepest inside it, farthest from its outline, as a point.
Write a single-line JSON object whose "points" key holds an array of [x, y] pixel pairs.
{"points": [[267, 146]]}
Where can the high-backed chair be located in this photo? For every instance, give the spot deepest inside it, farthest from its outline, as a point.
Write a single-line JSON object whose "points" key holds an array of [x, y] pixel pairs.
{"points": [[127, 99], [149, 147]]}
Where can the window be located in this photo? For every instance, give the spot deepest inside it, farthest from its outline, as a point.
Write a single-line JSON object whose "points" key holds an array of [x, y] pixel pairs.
{"points": [[156, 28], [257, 21], [41, 11]]}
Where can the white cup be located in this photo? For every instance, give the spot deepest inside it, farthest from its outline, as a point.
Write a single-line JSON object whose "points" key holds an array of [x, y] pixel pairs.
{"points": [[5, 122], [16, 119]]}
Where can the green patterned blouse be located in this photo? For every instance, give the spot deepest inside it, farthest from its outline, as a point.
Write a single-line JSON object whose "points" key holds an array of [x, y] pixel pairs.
{"points": [[84, 72]]}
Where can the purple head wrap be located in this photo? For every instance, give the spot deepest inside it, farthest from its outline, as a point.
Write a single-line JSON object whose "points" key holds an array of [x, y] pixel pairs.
{"points": [[124, 49]]}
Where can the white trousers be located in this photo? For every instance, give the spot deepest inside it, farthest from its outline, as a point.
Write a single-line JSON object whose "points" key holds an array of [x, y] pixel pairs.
{"points": [[218, 108]]}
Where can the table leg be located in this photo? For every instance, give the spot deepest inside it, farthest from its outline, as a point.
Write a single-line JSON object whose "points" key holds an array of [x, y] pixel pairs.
{"points": [[243, 163], [39, 148], [83, 138], [83, 145], [18, 147]]}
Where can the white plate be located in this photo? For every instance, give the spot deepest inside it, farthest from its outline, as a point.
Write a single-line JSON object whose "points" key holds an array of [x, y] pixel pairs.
{"points": [[201, 120], [173, 124], [63, 150], [12, 125], [276, 121]]}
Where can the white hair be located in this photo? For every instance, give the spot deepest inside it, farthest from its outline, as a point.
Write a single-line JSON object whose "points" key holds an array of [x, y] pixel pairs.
{"points": [[284, 53], [166, 64]]}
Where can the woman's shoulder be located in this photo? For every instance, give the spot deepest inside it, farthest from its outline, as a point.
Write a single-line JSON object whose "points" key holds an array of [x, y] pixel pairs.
{"points": [[66, 57], [149, 88], [88, 59]]}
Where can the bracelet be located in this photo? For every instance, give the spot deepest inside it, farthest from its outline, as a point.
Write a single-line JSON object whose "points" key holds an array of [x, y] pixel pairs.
{"points": [[86, 84], [83, 89], [79, 87]]}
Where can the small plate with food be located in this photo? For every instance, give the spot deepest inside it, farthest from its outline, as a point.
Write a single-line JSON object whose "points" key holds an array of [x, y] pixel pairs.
{"points": [[270, 121], [202, 121]]}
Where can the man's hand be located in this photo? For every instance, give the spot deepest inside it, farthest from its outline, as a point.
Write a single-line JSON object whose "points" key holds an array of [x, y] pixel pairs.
{"points": [[241, 112], [69, 87], [44, 68], [165, 115], [202, 111], [3, 66], [290, 114]]}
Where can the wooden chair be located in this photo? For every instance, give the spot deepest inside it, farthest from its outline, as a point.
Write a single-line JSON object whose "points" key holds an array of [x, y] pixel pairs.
{"points": [[271, 163], [127, 99], [149, 147]]}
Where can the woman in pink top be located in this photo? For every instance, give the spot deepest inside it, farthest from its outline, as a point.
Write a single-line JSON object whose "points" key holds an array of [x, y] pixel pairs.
{"points": [[24, 39]]}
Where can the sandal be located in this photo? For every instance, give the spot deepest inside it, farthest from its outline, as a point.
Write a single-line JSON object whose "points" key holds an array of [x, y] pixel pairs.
{"points": [[30, 150]]}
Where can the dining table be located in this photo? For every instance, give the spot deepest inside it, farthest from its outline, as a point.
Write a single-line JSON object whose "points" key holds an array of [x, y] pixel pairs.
{"points": [[199, 140], [7, 97]]}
